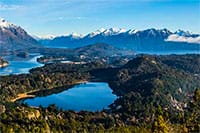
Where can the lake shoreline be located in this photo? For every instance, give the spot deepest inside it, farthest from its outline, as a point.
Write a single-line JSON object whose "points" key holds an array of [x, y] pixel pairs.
{"points": [[33, 94], [22, 96]]}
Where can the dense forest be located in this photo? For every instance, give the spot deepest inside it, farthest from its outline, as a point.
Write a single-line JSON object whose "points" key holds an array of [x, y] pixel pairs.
{"points": [[155, 94]]}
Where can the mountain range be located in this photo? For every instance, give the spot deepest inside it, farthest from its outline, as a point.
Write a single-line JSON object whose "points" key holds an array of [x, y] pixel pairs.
{"points": [[14, 37], [137, 40]]}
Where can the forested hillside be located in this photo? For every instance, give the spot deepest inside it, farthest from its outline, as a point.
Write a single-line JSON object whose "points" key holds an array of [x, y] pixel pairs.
{"points": [[154, 95]]}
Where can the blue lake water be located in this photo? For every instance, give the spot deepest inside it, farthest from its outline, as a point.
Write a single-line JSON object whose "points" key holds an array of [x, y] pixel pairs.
{"points": [[90, 96], [19, 65], [178, 52]]}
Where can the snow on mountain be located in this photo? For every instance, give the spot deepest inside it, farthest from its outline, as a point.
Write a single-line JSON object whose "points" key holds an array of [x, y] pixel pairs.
{"points": [[76, 35], [113, 31], [138, 40], [51, 37], [132, 31], [13, 37], [97, 32], [117, 31], [106, 32], [165, 31], [125, 38], [36, 37], [5, 24], [183, 33]]}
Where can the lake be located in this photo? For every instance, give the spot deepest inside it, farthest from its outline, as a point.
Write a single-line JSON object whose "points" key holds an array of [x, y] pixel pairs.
{"points": [[20, 65], [90, 96]]}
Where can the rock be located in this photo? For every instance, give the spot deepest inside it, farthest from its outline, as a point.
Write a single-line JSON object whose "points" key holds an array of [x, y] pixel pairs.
{"points": [[3, 63], [2, 109], [33, 114]]}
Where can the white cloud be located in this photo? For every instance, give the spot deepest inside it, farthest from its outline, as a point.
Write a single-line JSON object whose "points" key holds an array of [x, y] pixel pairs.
{"points": [[177, 38], [4, 7], [80, 18]]}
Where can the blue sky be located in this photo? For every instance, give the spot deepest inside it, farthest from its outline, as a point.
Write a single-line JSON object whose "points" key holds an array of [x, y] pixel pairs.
{"points": [[56, 17]]}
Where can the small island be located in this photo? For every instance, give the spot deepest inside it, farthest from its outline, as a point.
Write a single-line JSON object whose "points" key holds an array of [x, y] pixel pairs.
{"points": [[3, 63], [22, 54]]}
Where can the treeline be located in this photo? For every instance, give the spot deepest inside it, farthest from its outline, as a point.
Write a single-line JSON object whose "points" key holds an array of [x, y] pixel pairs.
{"points": [[148, 83], [155, 95], [44, 78], [21, 118]]}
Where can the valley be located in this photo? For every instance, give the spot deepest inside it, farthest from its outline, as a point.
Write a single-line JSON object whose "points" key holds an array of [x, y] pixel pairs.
{"points": [[109, 80]]}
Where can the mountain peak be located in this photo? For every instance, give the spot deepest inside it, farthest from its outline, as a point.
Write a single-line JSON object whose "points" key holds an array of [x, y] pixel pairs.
{"points": [[132, 31], [76, 35], [182, 33], [107, 32], [97, 32], [5, 24], [122, 38], [166, 31], [101, 29], [114, 31], [14, 37]]}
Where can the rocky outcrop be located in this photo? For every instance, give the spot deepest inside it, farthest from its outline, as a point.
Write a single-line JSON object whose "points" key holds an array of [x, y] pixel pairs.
{"points": [[3, 63]]}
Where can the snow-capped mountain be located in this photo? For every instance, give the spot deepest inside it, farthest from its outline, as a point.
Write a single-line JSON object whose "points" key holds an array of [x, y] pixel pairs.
{"points": [[185, 33], [4, 24], [75, 35], [113, 31], [149, 39], [106, 32], [182, 33], [97, 32], [132, 31], [13, 37]]}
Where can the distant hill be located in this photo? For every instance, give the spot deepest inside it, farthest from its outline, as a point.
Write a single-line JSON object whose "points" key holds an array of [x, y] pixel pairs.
{"points": [[101, 49], [145, 40], [13, 37], [147, 82], [98, 51]]}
